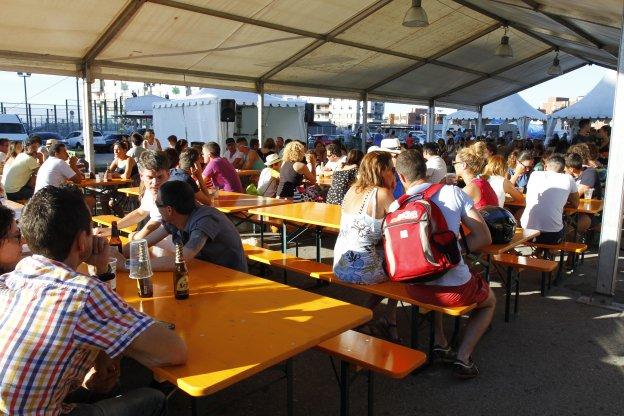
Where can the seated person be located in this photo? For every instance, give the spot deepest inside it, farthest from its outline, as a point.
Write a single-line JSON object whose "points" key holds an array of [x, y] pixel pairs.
{"points": [[219, 171], [586, 178], [458, 286], [269, 177], [547, 193], [334, 159], [207, 234], [344, 177], [58, 168], [232, 154], [436, 167], [251, 160], [520, 173], [469, 166], [293, 170], [10, 240], [495, 171], [19, 177], [189, 171], [77, 327], [154, 171], [137, 146]]}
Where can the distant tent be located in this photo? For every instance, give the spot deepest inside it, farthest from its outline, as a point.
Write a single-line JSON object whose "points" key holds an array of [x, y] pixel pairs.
{"points": [[597, 104], [141, 105], [512, 107]]}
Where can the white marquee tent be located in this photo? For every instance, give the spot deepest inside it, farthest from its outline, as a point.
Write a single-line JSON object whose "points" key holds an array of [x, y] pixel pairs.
{"points": [[197, 117], [597, 104], [141, 105], [512, 107]]}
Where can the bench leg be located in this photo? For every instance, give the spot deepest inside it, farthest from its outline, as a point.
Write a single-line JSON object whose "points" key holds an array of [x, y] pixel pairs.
{"points": [[344, 388], [543, 285], [317, 233], [560, 271], [261, 231], [284, 238], [508, 293], [289, 387], [431, 336], [517, 293], [455, 337], [371, 393], [414, 327]]}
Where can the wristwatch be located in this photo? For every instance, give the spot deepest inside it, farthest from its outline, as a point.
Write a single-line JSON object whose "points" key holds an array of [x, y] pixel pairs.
{"points": [[105, 277]]}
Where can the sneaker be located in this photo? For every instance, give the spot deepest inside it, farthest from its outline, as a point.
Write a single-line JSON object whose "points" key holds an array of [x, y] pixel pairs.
{"points": [[465, 370], [445, 354]]}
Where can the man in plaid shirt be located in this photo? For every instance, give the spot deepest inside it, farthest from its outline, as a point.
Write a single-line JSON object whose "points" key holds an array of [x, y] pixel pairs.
{"points": [[60, 329]]}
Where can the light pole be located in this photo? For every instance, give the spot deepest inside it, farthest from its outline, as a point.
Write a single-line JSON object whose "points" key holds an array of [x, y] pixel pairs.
{"points": [[25, 75]]}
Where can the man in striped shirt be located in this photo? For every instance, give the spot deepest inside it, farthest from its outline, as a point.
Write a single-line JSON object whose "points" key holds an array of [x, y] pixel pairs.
{"points": [[60, 329]]}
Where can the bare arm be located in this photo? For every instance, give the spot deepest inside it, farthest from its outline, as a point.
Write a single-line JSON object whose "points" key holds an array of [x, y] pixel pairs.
{"points": [[129, 166], [515, 194], [574, 198], [148, 230], [132, 218], [302, 168], [479, 234], [238, 163], [158, 346], [196, 242]]}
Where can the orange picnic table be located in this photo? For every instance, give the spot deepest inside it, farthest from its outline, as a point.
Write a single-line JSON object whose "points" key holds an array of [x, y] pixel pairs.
{"points": [[92, 183], [236, 325]]}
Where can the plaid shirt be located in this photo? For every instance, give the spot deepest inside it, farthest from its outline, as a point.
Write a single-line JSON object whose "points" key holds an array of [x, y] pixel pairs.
{"points": [[53, 322]]}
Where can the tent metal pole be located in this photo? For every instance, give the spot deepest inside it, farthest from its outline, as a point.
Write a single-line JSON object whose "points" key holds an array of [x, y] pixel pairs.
{"points": [[260, 104], [479, 121], [610, 232], [431, 121], [364, 120], [87, 117]]}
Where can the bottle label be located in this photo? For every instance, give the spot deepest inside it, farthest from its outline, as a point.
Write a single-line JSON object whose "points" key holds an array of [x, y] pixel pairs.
{"points": [[182, 284]]}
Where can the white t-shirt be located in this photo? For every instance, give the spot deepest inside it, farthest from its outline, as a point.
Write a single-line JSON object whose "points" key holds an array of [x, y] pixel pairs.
{"points": [[454, 204], [232, 157], [497, 184], [333, 165], [153, 146], [436, 169], [547, 194], [18, 173], [148, 204], [53, 171]]}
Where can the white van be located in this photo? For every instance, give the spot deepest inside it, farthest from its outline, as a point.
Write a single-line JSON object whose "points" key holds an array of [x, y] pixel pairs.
{"points": [[11, 127]]}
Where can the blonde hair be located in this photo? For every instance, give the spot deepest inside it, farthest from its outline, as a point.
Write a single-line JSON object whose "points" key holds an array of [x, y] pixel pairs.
{"points": [[512, 159], [372, 167], [496, 166], [474, 163], [294, 152], [479, 148]]}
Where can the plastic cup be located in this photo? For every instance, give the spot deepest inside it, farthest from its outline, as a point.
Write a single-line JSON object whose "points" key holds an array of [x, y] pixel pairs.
{"points": [[140, 268], [588, 193], [99, 177]]}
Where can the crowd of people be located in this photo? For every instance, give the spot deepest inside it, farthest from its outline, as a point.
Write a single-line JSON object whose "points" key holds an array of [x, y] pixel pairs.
{"points": [[178, 185]]}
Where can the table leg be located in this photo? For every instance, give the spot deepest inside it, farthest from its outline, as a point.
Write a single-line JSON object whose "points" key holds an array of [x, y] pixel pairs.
{"points": [[318, 244], [261, 230], [508, 293], [344, 388], [284, 237], [371, 393], [289, 387], [414, 329]]}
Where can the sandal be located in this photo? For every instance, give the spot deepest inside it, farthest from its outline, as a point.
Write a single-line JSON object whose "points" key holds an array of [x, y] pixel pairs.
{"points": [[389, 330]]}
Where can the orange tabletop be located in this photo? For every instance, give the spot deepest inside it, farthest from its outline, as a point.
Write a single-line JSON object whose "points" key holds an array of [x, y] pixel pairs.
{"points": [[130, 191], [107, 182], [249, 172], [585, 206], [521, 237], [315, 213], [231, 202], [236, 325]]}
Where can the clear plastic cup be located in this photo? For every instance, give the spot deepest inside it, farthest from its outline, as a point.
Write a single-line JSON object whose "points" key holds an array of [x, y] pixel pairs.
{"points": [[140, 266], [588, 193], [99, 177]]}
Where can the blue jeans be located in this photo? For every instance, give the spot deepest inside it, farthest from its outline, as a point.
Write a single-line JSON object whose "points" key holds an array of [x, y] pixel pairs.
{"points": [[143, 402]]}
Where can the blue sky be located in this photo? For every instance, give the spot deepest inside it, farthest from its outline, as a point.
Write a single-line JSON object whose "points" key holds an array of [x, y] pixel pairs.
{"points": [[48, 89]]}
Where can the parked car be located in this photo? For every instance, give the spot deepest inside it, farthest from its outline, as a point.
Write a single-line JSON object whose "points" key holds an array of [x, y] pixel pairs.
{"points": [[47, 135], [74, 140], [11, 127]]}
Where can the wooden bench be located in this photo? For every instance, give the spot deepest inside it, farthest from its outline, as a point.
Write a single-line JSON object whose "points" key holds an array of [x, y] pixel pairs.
{"points": [[107, 221], [372, 354], [564, 247], [392, 290], [520, 263]]}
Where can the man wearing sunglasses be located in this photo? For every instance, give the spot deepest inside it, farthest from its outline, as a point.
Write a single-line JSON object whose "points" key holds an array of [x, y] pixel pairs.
{"points": [[521, 172]]}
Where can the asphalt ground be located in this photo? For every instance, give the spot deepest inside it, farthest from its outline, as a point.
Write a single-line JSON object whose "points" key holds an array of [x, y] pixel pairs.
{"points": [[556, 357]]}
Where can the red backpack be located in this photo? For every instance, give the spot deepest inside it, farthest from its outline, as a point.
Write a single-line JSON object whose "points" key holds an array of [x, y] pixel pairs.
{"points": [[417, 242]]}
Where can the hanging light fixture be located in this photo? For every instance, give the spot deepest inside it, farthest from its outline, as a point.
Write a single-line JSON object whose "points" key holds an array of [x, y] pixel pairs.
{"points": [[504, 49], [555, 68], [415, 16]]}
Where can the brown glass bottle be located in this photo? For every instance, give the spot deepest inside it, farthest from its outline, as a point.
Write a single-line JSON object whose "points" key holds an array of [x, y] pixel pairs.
{"points": [[115, 239], [180, 274]]}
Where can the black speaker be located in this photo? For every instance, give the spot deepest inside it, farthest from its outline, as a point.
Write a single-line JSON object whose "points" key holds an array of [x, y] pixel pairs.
{"points": [[228, 110], [309, 113]]}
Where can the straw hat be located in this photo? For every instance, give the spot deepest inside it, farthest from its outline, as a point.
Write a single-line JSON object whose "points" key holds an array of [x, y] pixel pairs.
{"points": [[387, 145], [272, 159]]}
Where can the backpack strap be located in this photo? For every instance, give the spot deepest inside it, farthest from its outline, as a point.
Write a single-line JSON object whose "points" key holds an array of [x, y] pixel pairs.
{"points": [[436, 213]]}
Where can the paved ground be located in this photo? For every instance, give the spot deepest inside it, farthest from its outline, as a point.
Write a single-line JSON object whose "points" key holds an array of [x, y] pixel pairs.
{"points": [[557, 357]]}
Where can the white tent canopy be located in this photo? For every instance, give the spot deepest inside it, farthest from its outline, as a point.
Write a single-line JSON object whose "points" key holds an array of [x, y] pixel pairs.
{"points": [[243, 98], [320, 48], [513, 107], [597, 104], [141, 105]]}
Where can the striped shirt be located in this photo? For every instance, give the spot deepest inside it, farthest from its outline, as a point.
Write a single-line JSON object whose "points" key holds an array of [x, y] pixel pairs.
{"points": [[53, 322]]}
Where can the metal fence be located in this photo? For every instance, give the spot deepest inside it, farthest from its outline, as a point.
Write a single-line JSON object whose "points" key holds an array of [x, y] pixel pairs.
{"points": [[108, 117]]}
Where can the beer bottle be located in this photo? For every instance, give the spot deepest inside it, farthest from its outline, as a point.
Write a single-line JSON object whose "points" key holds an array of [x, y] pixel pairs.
{"points": [[115, 240], [180, 274]]}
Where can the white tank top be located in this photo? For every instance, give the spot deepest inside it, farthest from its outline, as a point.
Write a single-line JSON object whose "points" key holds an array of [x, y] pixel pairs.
{"points": [[496, 182], [151, 146]]}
